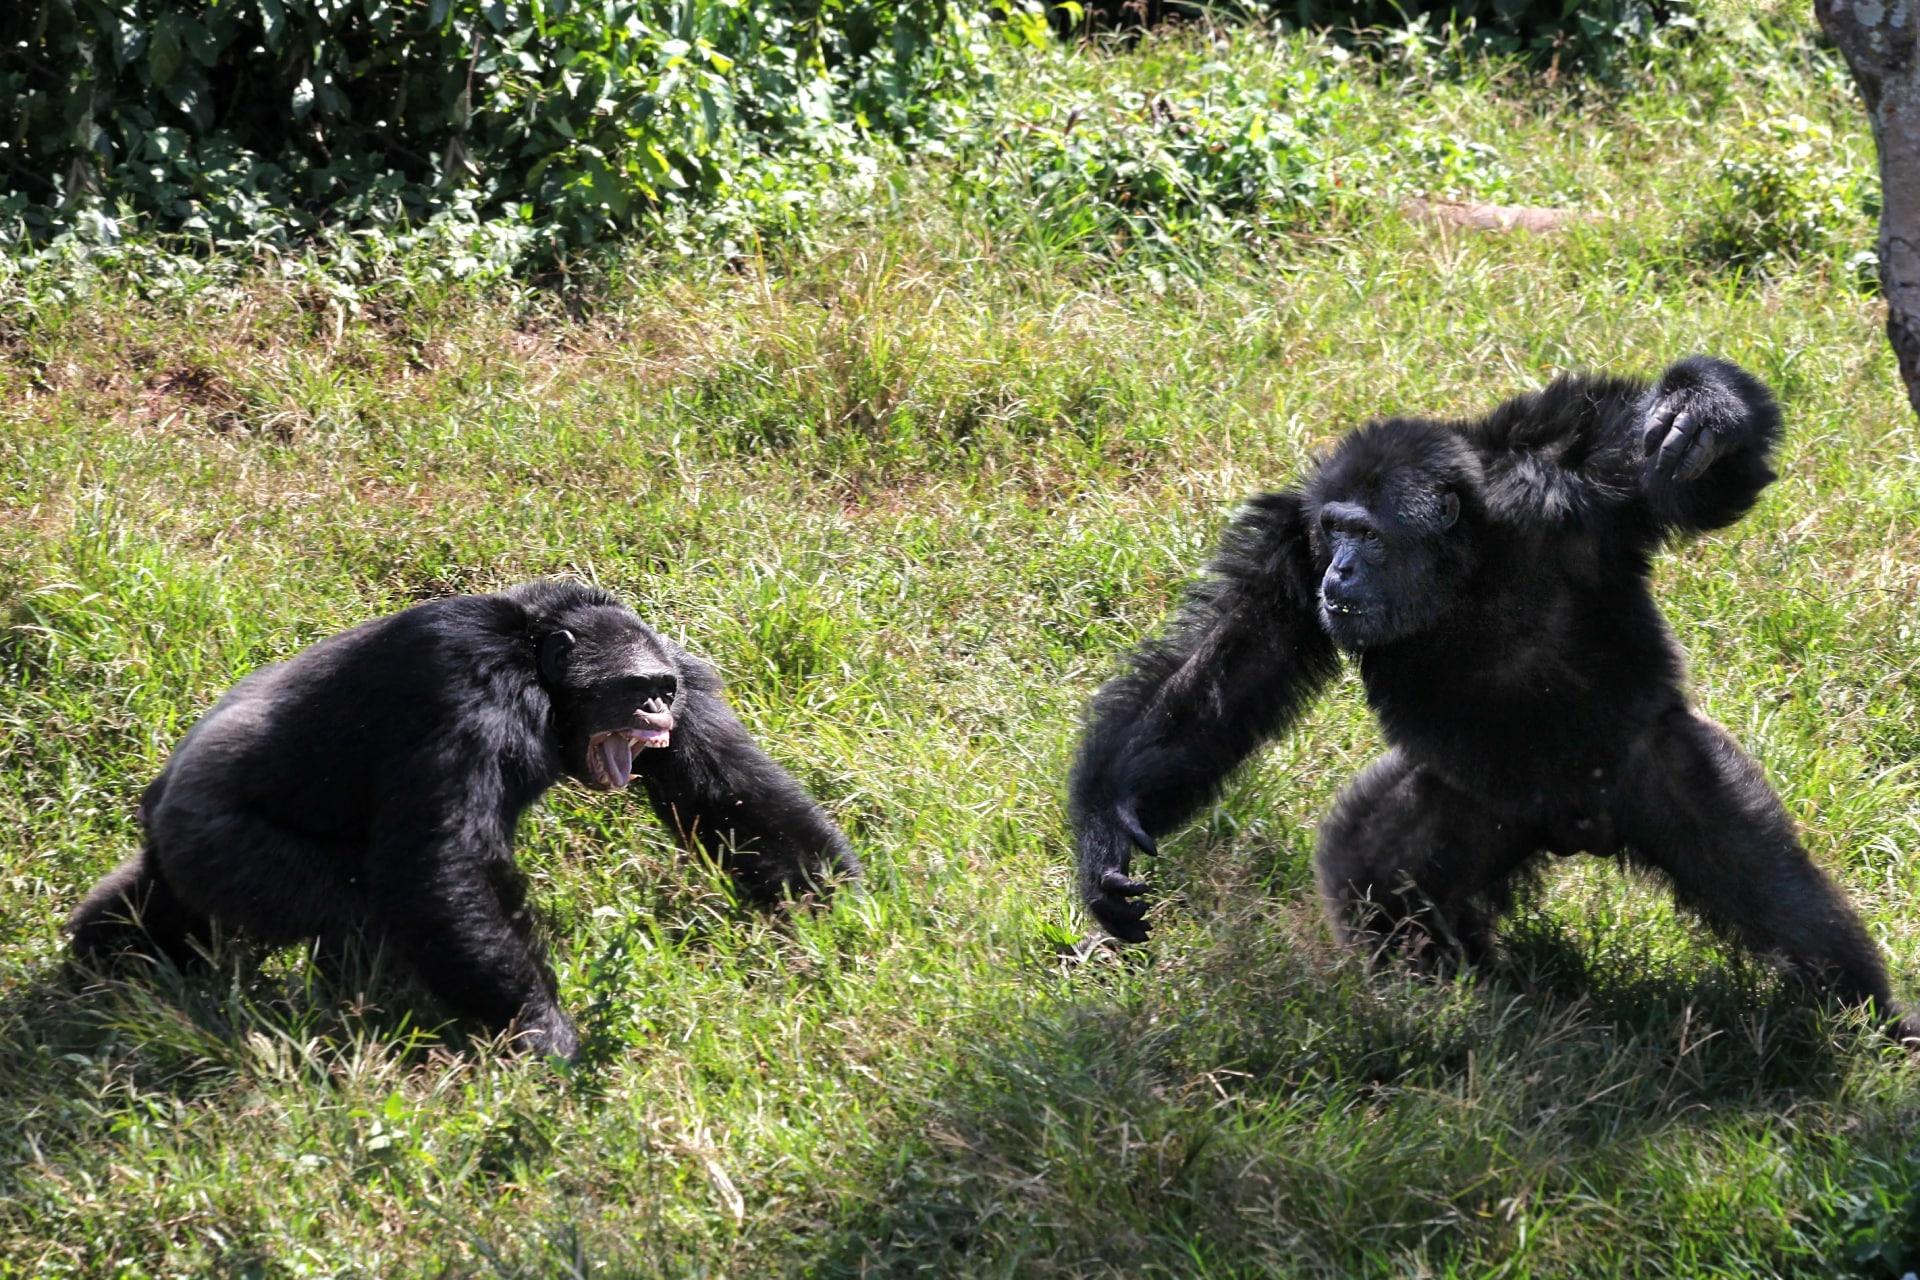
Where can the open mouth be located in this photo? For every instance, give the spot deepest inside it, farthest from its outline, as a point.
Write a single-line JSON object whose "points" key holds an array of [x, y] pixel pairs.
{"points": [[610, 755]]}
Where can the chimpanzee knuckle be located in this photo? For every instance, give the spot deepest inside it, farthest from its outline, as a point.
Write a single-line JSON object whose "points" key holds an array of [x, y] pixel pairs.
{"points": [[1718, 412], [563, 1041], [548, 1031]]}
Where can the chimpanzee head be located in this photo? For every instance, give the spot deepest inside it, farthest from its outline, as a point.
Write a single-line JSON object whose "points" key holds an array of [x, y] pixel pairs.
{"points": [[1391, 517], [613, 684]]}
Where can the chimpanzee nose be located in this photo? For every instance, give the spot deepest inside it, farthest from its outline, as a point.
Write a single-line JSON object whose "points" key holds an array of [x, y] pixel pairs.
{"points": [[654, 706]]}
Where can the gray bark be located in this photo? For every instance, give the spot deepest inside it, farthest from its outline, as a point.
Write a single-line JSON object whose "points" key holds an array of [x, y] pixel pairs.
{"points": [[1877, 38]]}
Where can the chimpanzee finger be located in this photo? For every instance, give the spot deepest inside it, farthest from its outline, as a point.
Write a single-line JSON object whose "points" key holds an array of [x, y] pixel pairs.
{"points": [[1679, 443], [1125, 886], [1659, 418], [1130, 823], [1706, 448]]}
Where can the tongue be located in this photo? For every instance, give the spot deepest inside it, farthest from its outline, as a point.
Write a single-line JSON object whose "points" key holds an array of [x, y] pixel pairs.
{"points": [[616, 753]]}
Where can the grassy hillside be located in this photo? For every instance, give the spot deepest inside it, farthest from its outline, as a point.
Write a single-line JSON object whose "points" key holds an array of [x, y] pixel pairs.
{"points": [[914, 486]]}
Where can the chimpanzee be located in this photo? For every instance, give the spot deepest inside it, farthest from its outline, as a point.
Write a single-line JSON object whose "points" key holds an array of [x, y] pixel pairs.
{"points": [[1490, 580], [372, 783]]}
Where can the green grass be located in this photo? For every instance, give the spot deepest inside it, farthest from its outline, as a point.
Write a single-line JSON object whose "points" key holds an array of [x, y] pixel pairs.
{"points": [[914, 487]]}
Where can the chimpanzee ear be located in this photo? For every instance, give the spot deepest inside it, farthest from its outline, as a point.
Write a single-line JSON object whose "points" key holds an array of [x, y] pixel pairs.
{"points": [[554, 648], [1449, 509]]}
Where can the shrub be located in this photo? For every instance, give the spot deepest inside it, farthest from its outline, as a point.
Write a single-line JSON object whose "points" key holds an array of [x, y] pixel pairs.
{"points": [[1162, 175], [1449, 167], [1786, 191], [1590, 33], [567, 120], [1593, 34]]}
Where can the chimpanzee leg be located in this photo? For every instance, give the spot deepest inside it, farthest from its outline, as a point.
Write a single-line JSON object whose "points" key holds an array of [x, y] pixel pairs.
{"points": [[1408, 863], [132, 909], [1695, 808], [453, 906], [252, 876]]}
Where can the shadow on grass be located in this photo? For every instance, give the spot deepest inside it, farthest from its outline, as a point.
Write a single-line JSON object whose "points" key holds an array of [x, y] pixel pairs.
{"points": [[93, 1062], [1242, 1101], [82, 1048], [1257, 1105]]}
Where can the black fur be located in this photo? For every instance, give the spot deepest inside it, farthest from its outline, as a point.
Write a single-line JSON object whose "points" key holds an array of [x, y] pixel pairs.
{"points": [[1490, 579], [374, 781]]}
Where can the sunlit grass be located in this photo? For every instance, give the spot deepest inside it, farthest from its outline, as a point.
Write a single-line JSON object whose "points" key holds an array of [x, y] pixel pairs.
{"points": [[914, 487]]}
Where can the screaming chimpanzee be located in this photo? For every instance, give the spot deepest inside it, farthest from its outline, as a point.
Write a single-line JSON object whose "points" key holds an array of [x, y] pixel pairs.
{"points": [[1490, 578], [374, 780]]}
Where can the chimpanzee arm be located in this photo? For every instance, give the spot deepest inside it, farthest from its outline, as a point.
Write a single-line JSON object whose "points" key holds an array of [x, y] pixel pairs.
{"points": [[449, 898], [1242, 656], [714, 788], [1688, 454]]}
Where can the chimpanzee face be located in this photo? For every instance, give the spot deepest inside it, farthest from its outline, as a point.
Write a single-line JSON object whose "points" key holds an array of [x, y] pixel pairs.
{"points": [[1386, 527], [614, 686]]}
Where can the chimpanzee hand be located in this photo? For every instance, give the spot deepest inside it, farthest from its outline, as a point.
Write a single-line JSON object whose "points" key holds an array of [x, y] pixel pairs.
{"points": [[1695, 416], [1106, 853], [547, 1031]]}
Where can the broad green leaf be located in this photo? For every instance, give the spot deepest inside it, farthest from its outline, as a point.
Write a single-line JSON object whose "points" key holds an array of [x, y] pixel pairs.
{"points": [[166, 52], [273, 21]]}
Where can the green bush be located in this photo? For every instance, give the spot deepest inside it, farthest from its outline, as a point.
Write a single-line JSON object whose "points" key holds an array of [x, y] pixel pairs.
{"points": [[1787, 191], [1589, 34], [1448, 167], [1164, 176], [564, 120]]}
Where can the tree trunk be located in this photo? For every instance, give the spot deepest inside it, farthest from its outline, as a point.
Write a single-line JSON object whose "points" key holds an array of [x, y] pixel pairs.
{"points": [[1877, 38]]}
